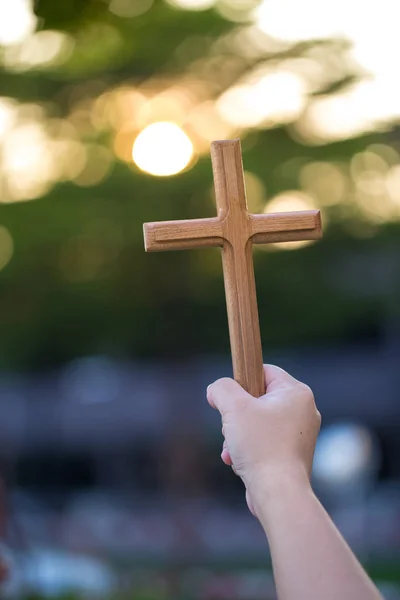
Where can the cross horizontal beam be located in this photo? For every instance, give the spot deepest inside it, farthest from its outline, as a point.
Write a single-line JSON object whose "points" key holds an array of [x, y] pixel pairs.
{"points": [[264, 229], [183, 235]]}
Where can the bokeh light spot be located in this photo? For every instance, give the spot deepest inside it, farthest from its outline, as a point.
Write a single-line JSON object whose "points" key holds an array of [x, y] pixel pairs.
{"points": [[97, 166], [72, 157], [293, 21], [17, 21], [393, 185], [43, 49], [344, 452], [236, 11], [130, 8], [325, 180], [255, 192], [267, 98], [207, 125], [162, 149], [28, 162], [192, 4], [8, 115], [290, 201], [388, 153]]}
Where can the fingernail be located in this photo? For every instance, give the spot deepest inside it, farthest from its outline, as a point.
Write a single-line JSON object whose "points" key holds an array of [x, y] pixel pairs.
{"points": [[208, 387]]}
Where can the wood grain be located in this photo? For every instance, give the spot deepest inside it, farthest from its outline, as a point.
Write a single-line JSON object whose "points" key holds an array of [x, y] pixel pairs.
{"points": [[182, 235], [235, 230], [237, 261]]}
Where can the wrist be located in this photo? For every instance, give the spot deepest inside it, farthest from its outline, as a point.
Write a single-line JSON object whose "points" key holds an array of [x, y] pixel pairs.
{"points": [[276, 486]]}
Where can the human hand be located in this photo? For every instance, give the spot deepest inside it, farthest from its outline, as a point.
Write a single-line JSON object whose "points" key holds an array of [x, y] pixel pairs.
{"points": [[268, 436]]}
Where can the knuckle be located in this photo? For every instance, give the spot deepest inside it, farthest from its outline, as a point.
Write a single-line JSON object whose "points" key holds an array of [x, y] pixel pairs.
{"points": [[218, 385], [223, 381], [306, 392]]}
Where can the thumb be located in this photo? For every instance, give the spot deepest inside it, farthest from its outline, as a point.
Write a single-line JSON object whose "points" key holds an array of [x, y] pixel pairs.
{"points": [[226, 395]]}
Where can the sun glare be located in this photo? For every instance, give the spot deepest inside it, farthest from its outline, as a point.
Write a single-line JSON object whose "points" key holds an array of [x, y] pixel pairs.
{"points": [[293, 21], [162, 149], [370, 29], [17, 21]]}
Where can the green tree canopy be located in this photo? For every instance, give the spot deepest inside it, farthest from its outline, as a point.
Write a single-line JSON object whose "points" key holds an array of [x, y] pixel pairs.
{"points": [[81, 80]]}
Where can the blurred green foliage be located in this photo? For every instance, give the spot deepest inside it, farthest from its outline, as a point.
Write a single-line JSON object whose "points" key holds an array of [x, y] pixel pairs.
{"points": [[79, 281]]}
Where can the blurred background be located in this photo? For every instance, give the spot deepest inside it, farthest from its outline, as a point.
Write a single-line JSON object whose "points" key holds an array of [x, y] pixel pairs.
{"points": [[109, 455]]}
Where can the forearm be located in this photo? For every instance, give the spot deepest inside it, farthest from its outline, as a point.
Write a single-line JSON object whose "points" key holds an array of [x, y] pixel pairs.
{"points": [[270, 442], [310, 558]]}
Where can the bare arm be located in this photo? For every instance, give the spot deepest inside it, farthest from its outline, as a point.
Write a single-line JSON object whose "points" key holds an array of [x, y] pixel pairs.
{"points": [[269, 442]]}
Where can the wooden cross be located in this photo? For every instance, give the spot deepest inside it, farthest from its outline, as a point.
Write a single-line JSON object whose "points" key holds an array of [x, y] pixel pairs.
{"points": [[236, 230]]}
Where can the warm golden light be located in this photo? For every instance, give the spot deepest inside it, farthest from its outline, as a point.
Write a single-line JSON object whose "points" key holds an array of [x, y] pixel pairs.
{"points": [[376, 191], [236, 10], [393, 186], [8, 115], [290, 201], [17, 21], [97, 167], [71, 156], [367, 161], [326, 181], [28, 162], [332, 118], [266, 98], [43, 49], [36, 152], [376, 208], [369, 102], [255, 192], [208, 125], [162, 149], [292, 21], [192, 4]]}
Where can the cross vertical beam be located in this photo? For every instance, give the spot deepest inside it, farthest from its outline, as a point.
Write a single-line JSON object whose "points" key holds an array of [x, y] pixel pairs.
{"points": [[237, 261]]}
